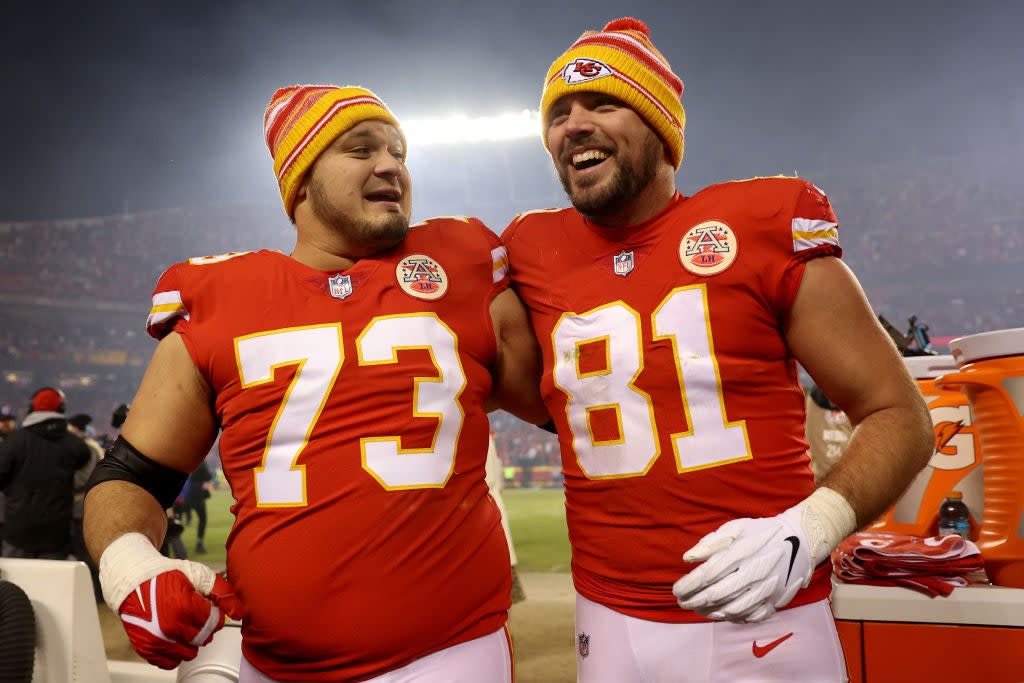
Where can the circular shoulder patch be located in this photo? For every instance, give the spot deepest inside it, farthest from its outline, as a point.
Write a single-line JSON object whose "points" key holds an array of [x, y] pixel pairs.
{"points": [[708, 248], [421, 277]]}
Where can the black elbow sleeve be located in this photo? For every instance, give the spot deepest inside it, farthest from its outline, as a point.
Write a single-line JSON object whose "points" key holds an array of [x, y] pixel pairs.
{"points": [[123, 462]]}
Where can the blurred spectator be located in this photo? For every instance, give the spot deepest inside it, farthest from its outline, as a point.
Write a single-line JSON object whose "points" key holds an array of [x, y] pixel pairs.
{"points": [[79, 426], [119, 415], [8, 421], [7, 425], [37, 469], [196, 492]]}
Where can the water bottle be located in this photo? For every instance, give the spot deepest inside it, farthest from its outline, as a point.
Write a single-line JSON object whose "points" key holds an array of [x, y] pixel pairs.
{"points": [[954, 517]]}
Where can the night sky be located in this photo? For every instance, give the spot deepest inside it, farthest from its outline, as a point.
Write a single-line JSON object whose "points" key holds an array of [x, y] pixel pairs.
{"points": [[141, 105]]}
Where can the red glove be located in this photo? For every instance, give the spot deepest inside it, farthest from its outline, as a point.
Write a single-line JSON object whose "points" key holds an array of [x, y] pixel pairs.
{"points": [[169, 608], [167, 620]]}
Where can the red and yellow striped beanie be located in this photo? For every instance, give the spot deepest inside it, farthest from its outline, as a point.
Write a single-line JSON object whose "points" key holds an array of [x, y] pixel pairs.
{"points": [[301, 121], [621, 61]]}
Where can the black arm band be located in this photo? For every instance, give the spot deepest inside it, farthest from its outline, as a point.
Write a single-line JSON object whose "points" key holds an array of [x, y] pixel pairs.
{"points": [[123, 462], [549, 426]]}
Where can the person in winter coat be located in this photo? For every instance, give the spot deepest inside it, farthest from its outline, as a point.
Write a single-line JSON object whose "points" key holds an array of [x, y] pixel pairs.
{"points": [[37, 469]]}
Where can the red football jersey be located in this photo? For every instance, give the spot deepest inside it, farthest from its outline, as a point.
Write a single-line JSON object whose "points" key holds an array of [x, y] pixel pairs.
{"points": [[354, 439], [677, 401]]}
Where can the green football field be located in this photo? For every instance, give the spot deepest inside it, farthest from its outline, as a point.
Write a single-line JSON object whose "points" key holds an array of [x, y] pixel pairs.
{"points": [[536, 516]]}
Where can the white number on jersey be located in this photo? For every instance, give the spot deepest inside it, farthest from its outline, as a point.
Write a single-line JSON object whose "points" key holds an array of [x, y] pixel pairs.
{"points": [[681, 317], [318, 352]]}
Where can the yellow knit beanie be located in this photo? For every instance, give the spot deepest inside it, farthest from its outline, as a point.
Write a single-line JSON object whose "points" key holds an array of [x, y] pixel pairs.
{"points": [[621, 61], [301, 121]]}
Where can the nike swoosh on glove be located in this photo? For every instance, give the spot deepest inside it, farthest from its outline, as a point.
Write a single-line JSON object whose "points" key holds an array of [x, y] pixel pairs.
{"points": [[167, 620], [169, 608], [752, 567]]}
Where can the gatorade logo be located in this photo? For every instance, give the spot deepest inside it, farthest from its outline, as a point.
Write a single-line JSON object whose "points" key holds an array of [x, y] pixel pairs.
{"points": [[954, 437], [944, 431]]}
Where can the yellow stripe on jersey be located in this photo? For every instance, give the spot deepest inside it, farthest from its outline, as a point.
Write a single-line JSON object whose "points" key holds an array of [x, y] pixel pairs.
{"points": [[811, 232], [499, 261], [166, 305]]}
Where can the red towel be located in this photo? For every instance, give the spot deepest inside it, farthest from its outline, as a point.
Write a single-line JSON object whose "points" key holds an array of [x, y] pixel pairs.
{"points": [[934, 565]]}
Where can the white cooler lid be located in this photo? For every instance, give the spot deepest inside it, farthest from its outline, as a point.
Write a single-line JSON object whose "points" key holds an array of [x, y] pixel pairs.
{"points": [[992, 344], [930, 367]]}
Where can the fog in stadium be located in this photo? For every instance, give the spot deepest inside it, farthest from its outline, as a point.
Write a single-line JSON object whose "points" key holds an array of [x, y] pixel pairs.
{"points": [[132, 139]]}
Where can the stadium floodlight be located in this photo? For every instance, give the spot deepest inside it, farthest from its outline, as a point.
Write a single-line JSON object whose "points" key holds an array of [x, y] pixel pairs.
{"points": [[456, 129]]}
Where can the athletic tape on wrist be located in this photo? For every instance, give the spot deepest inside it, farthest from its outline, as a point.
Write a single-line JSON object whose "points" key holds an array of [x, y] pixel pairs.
{"points": [[131, 560], [827, 518]]}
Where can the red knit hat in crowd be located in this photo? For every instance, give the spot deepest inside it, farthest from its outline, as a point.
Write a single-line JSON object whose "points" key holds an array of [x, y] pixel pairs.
{"points": [[48, 400]]}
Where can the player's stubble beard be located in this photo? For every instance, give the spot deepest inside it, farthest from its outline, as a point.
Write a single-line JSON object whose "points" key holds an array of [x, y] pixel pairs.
{"points": [[376, 234], [626, 183]]}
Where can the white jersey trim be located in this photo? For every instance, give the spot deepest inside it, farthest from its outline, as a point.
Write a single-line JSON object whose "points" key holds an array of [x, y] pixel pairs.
{"points": [[811, 232], [166, 305], [499, 264]]}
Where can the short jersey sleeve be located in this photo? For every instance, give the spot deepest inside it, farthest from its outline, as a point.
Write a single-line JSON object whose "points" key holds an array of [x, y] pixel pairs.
{"points": [[815, 226], [499, 256], [815, 234], [478, 245], [169, 309], [177, 291]]}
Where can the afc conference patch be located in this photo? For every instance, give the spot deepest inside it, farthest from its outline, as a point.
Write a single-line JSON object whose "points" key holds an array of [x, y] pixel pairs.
{"points": [[421, 277], [708, 248]]}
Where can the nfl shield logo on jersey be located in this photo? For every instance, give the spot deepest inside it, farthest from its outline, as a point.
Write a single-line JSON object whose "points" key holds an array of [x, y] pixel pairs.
{"points": [[341, 286], [584, 644], [623, 263]]}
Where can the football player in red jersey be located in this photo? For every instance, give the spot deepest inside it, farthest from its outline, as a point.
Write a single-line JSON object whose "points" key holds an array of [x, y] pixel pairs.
{"points": [[670, 328], [348, 382]]}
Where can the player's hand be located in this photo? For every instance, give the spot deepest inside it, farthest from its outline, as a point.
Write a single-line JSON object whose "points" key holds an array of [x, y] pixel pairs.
{"points": [[752, 567], [169, 608]]}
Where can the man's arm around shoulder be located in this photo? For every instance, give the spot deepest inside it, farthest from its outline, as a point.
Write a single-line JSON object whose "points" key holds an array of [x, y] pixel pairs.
{"points": [[518, 364]]}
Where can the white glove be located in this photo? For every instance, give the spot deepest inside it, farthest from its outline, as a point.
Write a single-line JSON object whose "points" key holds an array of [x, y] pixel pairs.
{"points": [[752, 567]]}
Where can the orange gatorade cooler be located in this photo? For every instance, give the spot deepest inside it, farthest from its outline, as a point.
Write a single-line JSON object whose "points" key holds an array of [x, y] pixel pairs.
{"points": [[992, 375], [955, 464]]}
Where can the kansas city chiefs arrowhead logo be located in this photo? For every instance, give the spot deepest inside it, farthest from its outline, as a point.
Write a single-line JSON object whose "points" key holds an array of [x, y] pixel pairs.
{"points": [[583, 70]]}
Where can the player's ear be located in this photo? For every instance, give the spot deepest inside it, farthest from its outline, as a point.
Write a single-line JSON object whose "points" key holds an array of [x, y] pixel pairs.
{"points": [[301, 194]]}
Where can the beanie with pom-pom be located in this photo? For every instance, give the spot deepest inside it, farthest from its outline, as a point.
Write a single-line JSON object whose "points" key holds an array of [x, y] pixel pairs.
{"points": [[302, 121], [621, 61]]}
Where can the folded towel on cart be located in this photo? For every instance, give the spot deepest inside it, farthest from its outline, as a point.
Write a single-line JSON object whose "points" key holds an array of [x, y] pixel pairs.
{"points": [[935, 565]]}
